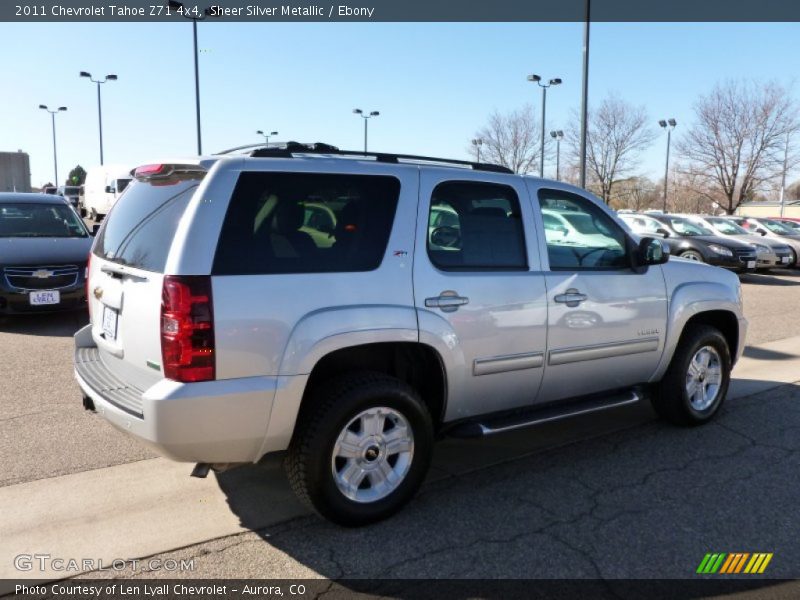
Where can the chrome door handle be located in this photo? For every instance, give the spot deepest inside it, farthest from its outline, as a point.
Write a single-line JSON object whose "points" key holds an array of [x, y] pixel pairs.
{"points": [[571, 298], [448, 301]]}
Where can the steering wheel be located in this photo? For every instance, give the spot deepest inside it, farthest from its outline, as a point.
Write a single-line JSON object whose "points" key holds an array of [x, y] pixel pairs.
{"points": [[446, 237]]}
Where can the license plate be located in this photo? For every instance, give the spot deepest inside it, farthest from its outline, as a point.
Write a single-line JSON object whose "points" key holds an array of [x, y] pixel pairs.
{"points": [[46, 297], [751, 264], [110, 323], [785, 259]]}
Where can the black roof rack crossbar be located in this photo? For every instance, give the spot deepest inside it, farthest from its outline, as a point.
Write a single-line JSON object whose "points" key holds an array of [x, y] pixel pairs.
{"points": [[289, 149]]}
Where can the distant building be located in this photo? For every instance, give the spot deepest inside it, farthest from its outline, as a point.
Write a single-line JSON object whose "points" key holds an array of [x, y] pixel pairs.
{"points": [[791, 208], [15, 171]]}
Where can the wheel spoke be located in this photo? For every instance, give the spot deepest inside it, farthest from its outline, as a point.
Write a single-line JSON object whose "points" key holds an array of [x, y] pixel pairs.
{"points": [[352, 476], [397, 440], [373, 423], [700, 394], [387, 473], [691, 388], [714, 376], [348, 445]]}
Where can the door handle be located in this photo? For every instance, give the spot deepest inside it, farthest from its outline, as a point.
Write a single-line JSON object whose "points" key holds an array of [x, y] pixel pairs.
{"points": [[448, 301], [571, 298]]}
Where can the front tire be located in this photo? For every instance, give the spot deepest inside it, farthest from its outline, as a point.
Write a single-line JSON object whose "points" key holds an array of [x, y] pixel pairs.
{"points": [[696, 382], [692, 255], [361, 448]]}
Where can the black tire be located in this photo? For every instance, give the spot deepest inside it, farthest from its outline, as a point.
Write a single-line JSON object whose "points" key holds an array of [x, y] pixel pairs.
{"points": [[692, 255], [670, 397], [332, 406]]}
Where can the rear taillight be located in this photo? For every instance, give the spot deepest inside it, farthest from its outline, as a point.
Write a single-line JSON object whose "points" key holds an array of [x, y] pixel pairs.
{"points": [[187, 328]]}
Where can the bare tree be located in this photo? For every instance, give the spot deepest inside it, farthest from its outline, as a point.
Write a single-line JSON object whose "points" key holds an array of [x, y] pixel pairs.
{"points": [[636, 193], [510, 139], [616, 136], [737, 141]]}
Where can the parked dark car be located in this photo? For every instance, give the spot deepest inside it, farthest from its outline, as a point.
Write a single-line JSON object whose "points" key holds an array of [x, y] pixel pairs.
{"points": [[44, 248], [694, 242]]}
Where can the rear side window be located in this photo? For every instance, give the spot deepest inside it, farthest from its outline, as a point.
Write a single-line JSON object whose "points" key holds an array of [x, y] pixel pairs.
{"points": [[138, 230], [475, 227], [306, 223]]}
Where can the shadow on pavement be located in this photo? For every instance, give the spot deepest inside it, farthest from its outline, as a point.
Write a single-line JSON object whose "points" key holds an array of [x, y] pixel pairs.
{"points": [[61, 324], [582, 498], [771, 278], [764, 354]]}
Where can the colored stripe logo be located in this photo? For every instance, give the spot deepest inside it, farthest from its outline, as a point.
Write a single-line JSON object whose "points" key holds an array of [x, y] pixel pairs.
{"points": [[736, 562]]}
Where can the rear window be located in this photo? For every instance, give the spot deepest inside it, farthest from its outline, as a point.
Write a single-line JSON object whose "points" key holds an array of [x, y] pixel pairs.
{"points": [[306, 223], [138, 230]]}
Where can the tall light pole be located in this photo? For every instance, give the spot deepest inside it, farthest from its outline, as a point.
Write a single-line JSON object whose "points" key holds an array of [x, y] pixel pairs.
{"points": [[669, 125], [585, 93], [266, 135], [55, 155], [99, 105], [194, 17], [366, 118], [783, 176], [478, 142], [558, 135], [544, 86]]}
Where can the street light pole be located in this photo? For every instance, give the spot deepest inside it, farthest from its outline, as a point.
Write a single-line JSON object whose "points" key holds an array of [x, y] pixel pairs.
{"points": [[366, 117], [558, 135], [478, 142], [194, 15], [585, 95], [197, 87], [53, 120], [669, 125], [266, 135], [99, 104], [544, 86]]}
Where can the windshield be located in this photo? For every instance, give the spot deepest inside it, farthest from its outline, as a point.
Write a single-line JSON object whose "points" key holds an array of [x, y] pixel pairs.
{"points": [[793, 225], [40, 220], [686, 227], [776, 227], [71, 190], [728, 227]]}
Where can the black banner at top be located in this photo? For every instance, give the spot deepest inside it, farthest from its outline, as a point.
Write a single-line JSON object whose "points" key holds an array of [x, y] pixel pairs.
{"points": [[401, 10]]}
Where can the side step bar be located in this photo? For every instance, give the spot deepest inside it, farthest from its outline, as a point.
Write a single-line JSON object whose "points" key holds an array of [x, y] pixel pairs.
{"points": [[553, 412]]}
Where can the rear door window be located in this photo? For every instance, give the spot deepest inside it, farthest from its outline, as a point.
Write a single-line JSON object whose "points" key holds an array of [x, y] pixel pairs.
{"points": [[475, 226], [306, 223], [138, 230]]}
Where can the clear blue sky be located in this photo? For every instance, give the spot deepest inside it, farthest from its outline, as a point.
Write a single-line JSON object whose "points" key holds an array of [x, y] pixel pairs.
{"points": [[434, 84]]}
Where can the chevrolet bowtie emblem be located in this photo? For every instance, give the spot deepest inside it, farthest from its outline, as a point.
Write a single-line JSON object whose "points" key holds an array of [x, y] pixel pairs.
{"points": [[98, 292], [42, 274]]}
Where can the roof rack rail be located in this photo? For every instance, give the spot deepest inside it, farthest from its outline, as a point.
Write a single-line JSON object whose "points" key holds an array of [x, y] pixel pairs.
{"points": [[290, 149]]}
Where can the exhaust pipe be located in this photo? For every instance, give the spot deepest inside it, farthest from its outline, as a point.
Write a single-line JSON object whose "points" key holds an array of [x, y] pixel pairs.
{"points": [[201, 469]]}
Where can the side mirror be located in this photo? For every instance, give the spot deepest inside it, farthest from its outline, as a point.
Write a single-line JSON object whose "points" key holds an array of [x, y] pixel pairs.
{"points": [[651, 252], [110, 189], [762, 231], [663, 232], [95, 228]]}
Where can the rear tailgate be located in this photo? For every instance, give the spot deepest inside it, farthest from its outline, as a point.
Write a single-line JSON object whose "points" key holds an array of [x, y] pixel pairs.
{"points": [[126, 274]]}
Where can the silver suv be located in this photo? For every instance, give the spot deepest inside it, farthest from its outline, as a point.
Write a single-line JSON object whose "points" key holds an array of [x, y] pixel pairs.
{"points": [[347, 309]]}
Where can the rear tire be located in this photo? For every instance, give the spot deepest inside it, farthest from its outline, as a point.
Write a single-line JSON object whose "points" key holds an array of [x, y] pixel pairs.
{"points": [[361, 449], [696, 382]]}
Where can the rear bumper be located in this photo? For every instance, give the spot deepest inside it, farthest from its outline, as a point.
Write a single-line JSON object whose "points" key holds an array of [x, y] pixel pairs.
{"points": [[230, 420]]}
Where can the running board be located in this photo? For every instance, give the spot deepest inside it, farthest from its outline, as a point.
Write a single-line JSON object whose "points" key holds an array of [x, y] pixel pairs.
{"points": [[553, 412]]}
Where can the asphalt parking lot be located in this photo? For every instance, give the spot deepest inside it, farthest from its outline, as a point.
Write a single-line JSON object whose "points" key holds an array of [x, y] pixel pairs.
{"points": [[619, 495]]}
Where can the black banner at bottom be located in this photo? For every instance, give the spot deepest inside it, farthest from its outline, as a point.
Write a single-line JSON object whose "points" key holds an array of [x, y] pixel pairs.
{"points": [[434, 589]]}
